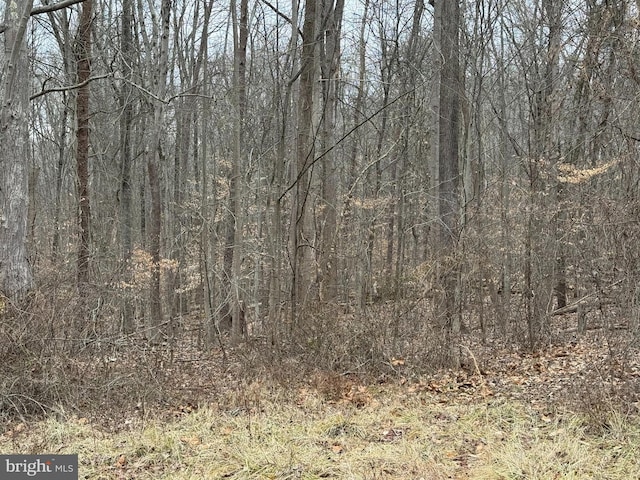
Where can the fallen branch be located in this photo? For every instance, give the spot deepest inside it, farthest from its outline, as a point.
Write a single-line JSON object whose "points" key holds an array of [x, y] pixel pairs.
{"points": [[588, 306], [582, 302], [573, 308]]}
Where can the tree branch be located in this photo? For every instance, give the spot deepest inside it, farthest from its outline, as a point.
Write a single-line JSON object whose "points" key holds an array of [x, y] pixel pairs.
{"points": [[3, 27], [280, 14], [308, 165], [54, 7], [142, 89], [627, 135], [69, 87]]}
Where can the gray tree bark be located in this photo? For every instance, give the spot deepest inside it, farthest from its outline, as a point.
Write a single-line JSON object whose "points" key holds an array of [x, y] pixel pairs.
{"points": [[15, 272], [126, 160], [155, 156], [329, 66], [300, 234], [448, 13], [235, 236]]}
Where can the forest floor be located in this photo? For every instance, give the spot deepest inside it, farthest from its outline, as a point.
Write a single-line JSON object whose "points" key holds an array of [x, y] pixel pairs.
{"points": [[566, 412]]}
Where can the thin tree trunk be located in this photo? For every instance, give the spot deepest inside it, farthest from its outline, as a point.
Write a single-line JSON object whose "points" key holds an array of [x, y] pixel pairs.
{"points": [[363, 278], [154, 161], [235, 227], [300, 235], [126, 213], [62, 141], [210, 325], [388, 61], [60, 28], [505, 200], [434, 154], [276, 250], [82, 145], [330, 58], [540, 250], [155, 303]]}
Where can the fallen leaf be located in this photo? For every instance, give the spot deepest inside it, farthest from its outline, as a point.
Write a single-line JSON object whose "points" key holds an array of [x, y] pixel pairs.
{"points": [[397, 362], [392, 434], [192, 441]]}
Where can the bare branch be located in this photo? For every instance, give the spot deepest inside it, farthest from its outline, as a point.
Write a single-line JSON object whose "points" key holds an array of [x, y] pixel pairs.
{"points": [[69, 87], [142, 89], [54, 7], [627, 135], [152, 95], [308, 165], [280, 14]]}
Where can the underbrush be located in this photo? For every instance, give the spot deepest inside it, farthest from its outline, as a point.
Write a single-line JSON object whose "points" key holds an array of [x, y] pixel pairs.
{"points": [[66, 364], [365, 341]]}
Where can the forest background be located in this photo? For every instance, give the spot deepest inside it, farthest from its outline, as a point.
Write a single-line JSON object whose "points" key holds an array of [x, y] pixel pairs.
{"points": [[349, 186]]}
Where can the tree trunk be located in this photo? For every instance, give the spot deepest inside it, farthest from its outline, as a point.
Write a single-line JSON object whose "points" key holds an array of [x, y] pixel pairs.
{"points": [[210, 325], [235, 235], [155, 302], [154, 161], [83, 59], [126, 120], [276, 250], [506, 261], [363, 277], [449, 203], [62, 141], [15, 272], [299, 229], [330, 63], [540, 247]]}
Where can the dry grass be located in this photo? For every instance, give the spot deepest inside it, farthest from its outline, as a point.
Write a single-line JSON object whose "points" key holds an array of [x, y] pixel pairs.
{"points": [[374, 432]]}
